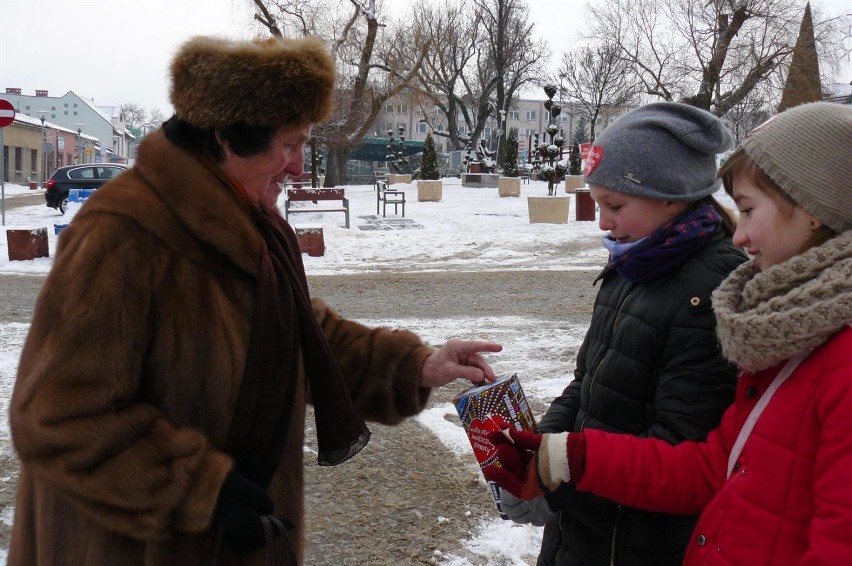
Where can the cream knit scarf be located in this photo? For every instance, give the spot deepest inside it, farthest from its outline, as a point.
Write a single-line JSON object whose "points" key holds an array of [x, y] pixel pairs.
{"points": [[764, 318]]}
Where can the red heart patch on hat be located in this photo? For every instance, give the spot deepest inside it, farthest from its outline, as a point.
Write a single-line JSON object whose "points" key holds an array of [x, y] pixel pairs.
{"points": [[593, 159]]}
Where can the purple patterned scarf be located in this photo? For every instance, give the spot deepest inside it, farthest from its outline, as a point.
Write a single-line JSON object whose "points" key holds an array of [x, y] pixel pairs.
{"points": [[668, 246]]}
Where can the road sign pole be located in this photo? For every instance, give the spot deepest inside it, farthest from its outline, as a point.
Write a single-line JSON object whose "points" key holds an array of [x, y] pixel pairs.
{"points": [[2, 178], [7, 116]]}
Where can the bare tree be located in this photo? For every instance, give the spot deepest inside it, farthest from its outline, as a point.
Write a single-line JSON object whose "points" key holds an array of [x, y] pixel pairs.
{"points": [[750, 112], [442, 84], [597, 77], [517, 58], [710, 54], [155, 118], [371, 66], [482, 55], [134, 115], [139, 121]]}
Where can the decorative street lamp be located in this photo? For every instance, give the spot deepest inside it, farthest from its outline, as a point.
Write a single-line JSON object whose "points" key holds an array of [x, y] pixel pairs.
{"points": [[79, 142], [548, 150], [501, 122], [42, 114], [397, 159]]}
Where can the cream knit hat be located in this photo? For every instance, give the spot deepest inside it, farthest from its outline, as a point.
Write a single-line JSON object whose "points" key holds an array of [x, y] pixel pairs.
{"points": [[807, 151]]}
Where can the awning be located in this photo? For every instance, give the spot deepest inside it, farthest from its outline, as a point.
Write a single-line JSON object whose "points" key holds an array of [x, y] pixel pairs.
{"points": [[376, 149]]}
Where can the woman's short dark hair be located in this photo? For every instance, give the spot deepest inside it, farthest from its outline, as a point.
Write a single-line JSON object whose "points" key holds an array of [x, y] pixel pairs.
{"points": [[244, 140]]}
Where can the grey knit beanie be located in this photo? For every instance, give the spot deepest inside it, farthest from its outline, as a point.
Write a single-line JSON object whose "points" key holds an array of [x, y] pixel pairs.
{"points": [[663, 151], [807, 151]]}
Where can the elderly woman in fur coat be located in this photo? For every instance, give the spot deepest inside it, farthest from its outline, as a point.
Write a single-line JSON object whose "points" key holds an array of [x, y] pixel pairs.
{"points": [[160, 401]]}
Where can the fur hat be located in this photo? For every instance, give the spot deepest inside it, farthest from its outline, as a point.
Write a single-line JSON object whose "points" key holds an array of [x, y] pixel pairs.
{"points": [[661, 151], [806, 151], [269, 83]]}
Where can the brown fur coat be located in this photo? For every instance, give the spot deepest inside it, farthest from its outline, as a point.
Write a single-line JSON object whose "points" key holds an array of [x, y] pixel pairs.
{"points": [[132, 365]]}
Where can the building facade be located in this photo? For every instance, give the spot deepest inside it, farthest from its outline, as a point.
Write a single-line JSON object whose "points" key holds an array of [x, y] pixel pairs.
{"points": [[100, 129], [527, 115]]}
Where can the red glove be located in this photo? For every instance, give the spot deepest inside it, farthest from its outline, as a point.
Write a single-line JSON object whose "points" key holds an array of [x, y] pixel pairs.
{"points": [[529, 463]]}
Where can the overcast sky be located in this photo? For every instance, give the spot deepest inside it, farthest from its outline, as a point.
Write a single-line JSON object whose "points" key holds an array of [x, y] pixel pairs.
{"points": [[118, 51]]}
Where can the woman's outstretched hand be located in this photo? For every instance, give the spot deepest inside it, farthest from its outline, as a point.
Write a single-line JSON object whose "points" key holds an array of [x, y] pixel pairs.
{"points": [[458, 359]]}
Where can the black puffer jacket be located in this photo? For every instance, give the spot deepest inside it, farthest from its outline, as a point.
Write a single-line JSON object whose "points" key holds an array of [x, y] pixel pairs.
{"points": [[650, 365]]}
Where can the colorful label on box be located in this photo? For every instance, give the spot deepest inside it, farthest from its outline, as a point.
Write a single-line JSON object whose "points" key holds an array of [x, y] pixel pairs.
{"points": [[491, 407]]}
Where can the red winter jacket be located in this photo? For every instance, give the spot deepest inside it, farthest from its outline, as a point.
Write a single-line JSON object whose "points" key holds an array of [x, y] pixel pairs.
{"points": [[789, 498]]}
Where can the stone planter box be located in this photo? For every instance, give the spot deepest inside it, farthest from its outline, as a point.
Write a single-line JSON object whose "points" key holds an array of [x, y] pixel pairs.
{"points": [[548, 210], [397, 178], [479, 180], [509, 187], [430, 190], [574, 182], [27, 244]]}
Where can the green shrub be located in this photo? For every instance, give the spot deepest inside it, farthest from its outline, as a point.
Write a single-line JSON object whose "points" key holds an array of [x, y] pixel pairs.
{"points": [[575, 163], [429, 165], [510, 157]]}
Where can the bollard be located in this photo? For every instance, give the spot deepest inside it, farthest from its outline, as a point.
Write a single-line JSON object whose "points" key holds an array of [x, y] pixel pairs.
{"points": [[585, 206], [311, 241], [27, 244]]}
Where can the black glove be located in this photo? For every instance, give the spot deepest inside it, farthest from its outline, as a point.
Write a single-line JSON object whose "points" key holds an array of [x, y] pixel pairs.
{"points": [[238, 510]]}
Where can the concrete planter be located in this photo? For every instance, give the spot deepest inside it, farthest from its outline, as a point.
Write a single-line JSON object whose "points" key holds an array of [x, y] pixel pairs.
{"points": [[479, 180], [574, 182], [548, 210], [509, 187], [430, 190], [397, 178]]}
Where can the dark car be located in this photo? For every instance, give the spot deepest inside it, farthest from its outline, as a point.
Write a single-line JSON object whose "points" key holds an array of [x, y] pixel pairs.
{"points": [[88, 176]]}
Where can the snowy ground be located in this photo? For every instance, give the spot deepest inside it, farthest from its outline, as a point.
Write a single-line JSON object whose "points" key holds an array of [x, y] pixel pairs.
{"points": [[468, 230]]}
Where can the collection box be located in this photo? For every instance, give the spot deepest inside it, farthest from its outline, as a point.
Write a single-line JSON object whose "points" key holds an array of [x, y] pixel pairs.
{"points": [[493, 406]]}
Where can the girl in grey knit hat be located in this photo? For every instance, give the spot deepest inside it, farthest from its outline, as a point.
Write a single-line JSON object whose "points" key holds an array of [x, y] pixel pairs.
{"points": [[650, 364], [772, 481]]}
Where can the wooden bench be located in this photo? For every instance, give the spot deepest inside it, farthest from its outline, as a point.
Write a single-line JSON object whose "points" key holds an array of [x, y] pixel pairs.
{"points": [[385, 196], [314, 196]]}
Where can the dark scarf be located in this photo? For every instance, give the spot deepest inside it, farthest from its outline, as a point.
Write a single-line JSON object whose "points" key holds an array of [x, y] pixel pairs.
{"points": [[283, 324], [668, 246]]}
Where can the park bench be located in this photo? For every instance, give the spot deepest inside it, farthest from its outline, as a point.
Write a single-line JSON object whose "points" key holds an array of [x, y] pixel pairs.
{"points": [[385, 196], [314, 196]]}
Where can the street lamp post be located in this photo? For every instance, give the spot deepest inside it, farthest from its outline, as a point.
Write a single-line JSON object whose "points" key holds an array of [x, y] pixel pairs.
{"points": [[501, 122], [42, 114], [79, 142]]}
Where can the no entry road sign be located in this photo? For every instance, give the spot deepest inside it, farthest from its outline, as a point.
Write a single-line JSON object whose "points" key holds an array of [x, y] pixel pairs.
{"points": [[7, 113]]}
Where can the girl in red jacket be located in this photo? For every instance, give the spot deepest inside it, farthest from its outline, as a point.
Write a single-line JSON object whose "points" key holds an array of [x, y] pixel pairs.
{"points": [[772, 482]]}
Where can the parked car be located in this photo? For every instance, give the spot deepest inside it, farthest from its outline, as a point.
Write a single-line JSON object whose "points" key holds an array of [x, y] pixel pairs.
{"points": [[88, 176]]}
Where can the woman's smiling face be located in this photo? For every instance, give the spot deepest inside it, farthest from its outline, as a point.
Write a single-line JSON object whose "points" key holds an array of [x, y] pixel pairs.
{"points": [[769, 228], [262, 175], [629, 218]]}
